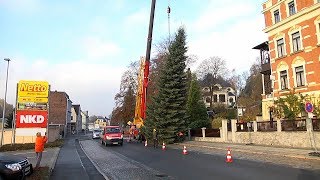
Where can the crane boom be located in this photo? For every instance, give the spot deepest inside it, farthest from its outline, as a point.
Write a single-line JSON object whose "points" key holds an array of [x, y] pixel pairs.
{"points": [[140, 112], [147, 61]]}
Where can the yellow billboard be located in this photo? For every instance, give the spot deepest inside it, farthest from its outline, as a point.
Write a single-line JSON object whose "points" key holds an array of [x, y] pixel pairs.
{"points": [[34, 89], [33, 99]]}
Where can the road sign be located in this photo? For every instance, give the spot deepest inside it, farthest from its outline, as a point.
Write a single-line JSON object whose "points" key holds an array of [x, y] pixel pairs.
{"points": [[309, 107]]}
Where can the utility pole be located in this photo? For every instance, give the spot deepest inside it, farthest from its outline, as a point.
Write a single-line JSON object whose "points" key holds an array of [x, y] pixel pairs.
{"points": [[4, 102]]}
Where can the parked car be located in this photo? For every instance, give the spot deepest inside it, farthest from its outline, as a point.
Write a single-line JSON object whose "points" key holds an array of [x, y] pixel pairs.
{"points": [[14, 167], [96, 133], [112, 135]]}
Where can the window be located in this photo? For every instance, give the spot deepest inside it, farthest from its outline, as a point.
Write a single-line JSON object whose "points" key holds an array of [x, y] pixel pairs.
{"points": [[284, 79], [280, 47], [292, 9], [276, 14], [231, 100], [208, 99], [222, 98], [300, 76], [215, 98], [113, 130], [296, 42]]}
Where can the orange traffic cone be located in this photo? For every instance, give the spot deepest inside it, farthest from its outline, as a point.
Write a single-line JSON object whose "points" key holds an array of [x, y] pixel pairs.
{"points": [[163, 146], [185, 152], [229, 157], [146, 143]]}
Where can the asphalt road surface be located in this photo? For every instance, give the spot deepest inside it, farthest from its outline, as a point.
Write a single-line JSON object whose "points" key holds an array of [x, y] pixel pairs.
{"points": [[172, 164]]}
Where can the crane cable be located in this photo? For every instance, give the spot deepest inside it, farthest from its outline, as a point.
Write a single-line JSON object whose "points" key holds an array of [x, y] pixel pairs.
{"points": [[169, 11]]}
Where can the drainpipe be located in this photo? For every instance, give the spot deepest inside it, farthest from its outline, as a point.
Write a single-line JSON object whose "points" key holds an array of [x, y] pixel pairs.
{"points": [[66, 125]]}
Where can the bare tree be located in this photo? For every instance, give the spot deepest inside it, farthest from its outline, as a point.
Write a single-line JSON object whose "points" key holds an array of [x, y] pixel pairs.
{"points": [[129, 80], [214, 65], [162, 47], [238, 81], [191, 59]]}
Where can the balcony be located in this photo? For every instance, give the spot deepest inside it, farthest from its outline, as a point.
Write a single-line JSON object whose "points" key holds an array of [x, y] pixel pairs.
{"points": [[264, 57], [266, 69]]}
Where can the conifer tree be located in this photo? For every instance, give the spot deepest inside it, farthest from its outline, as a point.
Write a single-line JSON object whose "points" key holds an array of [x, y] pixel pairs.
{"points": [[196, 110], [167, 112]]}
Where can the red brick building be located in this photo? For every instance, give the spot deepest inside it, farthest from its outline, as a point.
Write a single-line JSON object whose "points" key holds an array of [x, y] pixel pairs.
{"points": [[60, 110], [293, 28]]}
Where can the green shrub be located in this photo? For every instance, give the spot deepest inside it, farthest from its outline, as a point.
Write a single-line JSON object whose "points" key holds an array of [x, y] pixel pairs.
{"points": [[216, 123], [199, 124]]}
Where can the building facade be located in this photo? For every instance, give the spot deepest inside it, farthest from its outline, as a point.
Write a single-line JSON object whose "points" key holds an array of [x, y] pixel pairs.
{"points": [[218, 95], [76, 118], [85, 119], [101, 122], [60, 110], [292, 51]]}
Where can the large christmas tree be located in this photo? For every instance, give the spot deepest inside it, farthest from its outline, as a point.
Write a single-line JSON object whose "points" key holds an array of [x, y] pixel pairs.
{"points": [[167, 112], [196, 110]]}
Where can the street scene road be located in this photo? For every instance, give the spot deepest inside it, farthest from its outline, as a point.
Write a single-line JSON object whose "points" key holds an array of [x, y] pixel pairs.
{"points": [[226, 89], [134, 161]]}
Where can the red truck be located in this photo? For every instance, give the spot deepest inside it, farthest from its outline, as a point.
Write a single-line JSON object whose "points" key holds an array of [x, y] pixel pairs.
{"points": [[111, 135]]}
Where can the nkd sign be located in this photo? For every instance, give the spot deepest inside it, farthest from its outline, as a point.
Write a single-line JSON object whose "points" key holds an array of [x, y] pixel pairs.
{"points": [[31, 119]]}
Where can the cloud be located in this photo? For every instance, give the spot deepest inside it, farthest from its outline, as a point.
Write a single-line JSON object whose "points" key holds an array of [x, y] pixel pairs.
{"points": [[228, 35], [137, 19], [234, 45], [97, 48], [22, 6], [214, 15], [92, 85]]}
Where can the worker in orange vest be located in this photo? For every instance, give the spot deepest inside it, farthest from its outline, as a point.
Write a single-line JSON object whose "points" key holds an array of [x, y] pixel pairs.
{"points": [[39, 147]]}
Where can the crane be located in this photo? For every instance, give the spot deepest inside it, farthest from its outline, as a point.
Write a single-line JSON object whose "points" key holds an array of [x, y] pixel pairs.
{"points": [[143, 76]]}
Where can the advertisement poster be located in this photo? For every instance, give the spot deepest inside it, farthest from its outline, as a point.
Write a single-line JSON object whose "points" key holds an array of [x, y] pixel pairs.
{"points": [[32, 107], [30, 119]]}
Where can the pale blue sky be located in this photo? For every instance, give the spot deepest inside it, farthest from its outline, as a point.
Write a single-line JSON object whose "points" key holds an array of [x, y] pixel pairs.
{"points": [[83, 46]]}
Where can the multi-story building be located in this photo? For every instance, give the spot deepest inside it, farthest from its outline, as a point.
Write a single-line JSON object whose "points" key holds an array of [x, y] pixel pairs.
{"points": [[218, 95], [76, 119], [60, 111], [102, 122], [85, 119], [292, 50]]}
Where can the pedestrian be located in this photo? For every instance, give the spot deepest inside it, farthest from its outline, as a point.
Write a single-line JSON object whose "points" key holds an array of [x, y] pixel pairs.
{"points": [[39, 147], [155, 138]]}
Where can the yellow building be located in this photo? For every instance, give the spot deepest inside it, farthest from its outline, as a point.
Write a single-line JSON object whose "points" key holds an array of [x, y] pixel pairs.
{"points": [[101, 123]]}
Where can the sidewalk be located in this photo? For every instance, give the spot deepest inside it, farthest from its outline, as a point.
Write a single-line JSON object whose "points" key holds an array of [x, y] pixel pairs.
{"points": [[49, 156], [254, 149], [72, 163]]}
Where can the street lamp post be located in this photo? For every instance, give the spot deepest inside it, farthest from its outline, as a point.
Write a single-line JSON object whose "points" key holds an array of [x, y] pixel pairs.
{"points": [[4, 102]]}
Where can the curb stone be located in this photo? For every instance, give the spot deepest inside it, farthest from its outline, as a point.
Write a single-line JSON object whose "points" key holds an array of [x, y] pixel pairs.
{"points": [[95, 165], [261, 153], [53, 163]]}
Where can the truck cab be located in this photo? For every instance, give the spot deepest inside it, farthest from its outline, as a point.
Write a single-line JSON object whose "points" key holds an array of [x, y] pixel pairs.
{"points": [[111, 135]]}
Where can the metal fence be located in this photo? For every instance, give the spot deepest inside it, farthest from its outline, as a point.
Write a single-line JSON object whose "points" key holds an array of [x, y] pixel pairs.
{"points": [[212, 132], [316, 124], [244, 127], [293, 125], [196, 132], [267, 126], [209, 132]]}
